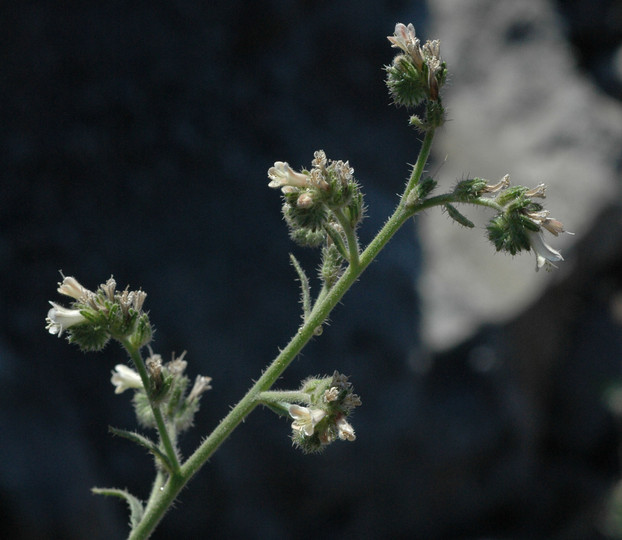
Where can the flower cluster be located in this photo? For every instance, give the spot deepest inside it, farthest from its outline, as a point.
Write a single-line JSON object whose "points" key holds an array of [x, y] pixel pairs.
{"points": [[169, 389], [416, 75], [320, 204], [324, 419], [95, 317], [520, 222]]}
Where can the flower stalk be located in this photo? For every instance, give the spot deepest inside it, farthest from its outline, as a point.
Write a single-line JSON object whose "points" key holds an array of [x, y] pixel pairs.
{"points": [[163, 431]]}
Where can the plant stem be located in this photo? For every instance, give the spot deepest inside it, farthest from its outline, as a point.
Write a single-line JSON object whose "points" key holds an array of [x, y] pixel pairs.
{"points": [[154, 512], [325, 303], [165, 438], [292, 396], [417, 171]]}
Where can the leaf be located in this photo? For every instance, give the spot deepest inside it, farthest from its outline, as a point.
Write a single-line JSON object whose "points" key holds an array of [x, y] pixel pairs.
{"points": [[136, 507], [145, 443], [304, 286], [457, 216], [338, 241]]}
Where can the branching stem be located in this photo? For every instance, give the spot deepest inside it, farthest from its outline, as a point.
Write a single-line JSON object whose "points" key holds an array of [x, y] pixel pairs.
{"points": [[163, 497]]}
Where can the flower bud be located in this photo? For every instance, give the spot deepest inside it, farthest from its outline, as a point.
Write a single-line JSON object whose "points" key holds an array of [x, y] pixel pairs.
{"points": [[71, 287], [344, 430], [417, 75]]}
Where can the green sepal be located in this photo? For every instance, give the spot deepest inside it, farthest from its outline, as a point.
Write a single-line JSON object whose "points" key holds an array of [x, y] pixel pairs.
{"points": [[331, 266], [340, 191], [453, 213], [509, 233], [469, 189], [313, 217], [306, 237], [420, 191], [184, 416], [143, 332], [136, 507], [407, 85], [177, 390], [355, 210], [145, 443], [527, 223], [513, 194], [312, 444], [338, 241], [142, 408], [160, 389], [89, 336], [425, 186]]}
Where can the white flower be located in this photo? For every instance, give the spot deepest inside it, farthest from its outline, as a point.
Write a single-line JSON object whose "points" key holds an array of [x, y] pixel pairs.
{"points": [[125, 378], [538, 191], [345, 430], [404, 38], [331, 394], [501, 184], [305, 419], [201, 384], [71, 287], [545, 254], [282, 176], [60, 318]]}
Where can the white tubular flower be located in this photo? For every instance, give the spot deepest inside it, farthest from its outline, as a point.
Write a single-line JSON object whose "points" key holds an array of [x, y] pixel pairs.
{"points": [[539, 191], [125, 378], [305, 419], [404, 38], [201, 384], [282, 176], [501, 184], [71, 287], [432, 52], [545, 254], [60, 318], [345, 430], [554, 227]]}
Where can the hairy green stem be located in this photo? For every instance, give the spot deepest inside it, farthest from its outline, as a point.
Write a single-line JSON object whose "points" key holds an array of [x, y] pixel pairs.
{"points": [[324, 304], [451, 198], [165, 438], [424, 154], [290, 396]]}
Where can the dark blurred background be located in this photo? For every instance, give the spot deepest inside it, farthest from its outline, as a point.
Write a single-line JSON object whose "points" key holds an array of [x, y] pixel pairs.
{"points": [[135, 141]]}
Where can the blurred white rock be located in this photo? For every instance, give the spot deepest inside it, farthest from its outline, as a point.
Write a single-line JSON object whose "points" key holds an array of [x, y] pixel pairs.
{"points": [[517, 104]]}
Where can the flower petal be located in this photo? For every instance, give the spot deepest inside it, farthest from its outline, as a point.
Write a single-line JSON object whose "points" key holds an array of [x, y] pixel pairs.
{"points": [[125, 378], [545, 254], [60, 318]]}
